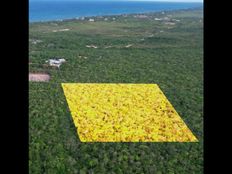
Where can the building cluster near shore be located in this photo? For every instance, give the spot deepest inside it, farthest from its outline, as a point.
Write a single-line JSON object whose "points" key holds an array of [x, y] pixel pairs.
{"points": [[111, 18]]}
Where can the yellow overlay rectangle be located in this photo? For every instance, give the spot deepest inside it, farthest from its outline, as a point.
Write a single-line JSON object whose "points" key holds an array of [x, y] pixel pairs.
{"points": [[124, 113]]}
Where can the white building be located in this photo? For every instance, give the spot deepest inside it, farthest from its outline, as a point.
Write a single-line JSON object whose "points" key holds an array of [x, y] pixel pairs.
{"points": [[55, 62]]}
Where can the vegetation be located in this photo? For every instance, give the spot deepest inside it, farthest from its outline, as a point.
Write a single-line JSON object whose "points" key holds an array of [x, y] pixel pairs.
{"points": [[130, 49]]}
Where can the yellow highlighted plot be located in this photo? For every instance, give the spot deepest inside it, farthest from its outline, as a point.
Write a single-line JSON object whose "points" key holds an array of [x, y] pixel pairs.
{"points": [[124, 113]]}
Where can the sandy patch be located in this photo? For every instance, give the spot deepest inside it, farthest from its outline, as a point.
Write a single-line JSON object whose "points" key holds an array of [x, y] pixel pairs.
{"points": [[108, 46], [91, 46], [170, 23], [65, 29], [128, 46], [151, 35]]}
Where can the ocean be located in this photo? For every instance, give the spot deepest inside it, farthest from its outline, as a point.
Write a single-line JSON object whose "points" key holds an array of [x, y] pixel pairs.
{"points": [[59, 10]]}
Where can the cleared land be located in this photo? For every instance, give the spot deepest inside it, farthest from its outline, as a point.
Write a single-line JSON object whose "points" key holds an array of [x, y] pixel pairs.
{"points": [[38, 77], [159, 52], [124, 113]]}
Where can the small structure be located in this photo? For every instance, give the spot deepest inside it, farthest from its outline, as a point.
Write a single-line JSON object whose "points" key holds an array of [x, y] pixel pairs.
{"points": [[158, 19], [91, 20], [35, 41], [55, 62], [141, 16], [166, 19]]}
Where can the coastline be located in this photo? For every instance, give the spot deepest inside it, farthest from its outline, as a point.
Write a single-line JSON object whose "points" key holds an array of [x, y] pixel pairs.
{"points": [[113, 15]]}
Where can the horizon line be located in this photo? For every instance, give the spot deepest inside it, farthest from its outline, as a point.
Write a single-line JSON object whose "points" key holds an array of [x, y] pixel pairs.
{"points": [[185, 1]]}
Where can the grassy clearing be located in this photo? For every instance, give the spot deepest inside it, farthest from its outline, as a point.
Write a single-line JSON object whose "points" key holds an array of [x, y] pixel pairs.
{"points": [[173, 59]]}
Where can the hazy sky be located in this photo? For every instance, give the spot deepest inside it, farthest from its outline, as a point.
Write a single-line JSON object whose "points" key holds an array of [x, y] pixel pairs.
{"points": [[129, 0], [171, 0]]}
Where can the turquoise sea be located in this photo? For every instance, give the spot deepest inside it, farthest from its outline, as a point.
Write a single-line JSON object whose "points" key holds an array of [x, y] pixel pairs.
{"points": [[59, 10]]}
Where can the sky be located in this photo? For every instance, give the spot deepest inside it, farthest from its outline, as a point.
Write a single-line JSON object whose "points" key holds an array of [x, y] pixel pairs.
{"points": [[171, 0], [130, 0]]}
